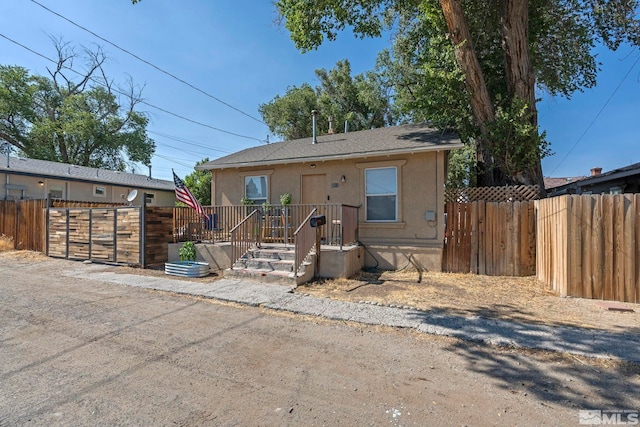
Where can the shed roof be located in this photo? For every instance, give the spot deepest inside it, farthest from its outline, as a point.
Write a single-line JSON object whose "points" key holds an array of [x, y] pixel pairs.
{"points": [[47, 169], [360, 144]]}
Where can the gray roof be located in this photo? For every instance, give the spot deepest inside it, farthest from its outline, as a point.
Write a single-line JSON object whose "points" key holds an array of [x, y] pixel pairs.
{"points": [[360, 144], [47, 169]]}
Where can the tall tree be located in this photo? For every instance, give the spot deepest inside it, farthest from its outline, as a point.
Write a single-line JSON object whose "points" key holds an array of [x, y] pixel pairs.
{"points": [[84, 120], [362, 101], [490, 57]]}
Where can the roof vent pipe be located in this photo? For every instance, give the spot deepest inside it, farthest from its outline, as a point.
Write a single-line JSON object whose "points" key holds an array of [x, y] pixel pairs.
{"points": [[149, 170], [346, 126], [314, 113]]}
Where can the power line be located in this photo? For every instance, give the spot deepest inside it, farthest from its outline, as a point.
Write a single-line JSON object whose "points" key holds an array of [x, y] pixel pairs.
{"points": [[125, 94], [149, 63], [596, 116], [189, 142]]}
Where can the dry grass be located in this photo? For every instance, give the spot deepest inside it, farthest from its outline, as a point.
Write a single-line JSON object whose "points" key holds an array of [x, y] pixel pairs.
{"points": [[6, 243], [512, 298]]}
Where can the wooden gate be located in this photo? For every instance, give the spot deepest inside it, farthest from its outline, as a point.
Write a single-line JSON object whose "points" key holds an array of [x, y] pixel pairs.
{"points": [[100, 234], [494, 239]]}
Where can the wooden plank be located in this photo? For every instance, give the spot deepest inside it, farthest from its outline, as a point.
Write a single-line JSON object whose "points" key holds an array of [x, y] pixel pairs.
{"points": [[482, 230], [586, 216], [467, 237], [597, 254], [608, 246], [637, 248], [473, 250], [629, 250], [489, 237], [618, 245], [574, 252]]}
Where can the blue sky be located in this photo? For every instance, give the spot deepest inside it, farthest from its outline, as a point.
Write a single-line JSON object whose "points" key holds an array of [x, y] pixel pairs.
{"points": [[234, 51]]}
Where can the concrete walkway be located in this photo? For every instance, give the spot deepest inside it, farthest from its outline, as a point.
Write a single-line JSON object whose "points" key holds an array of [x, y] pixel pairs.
{"points": [[586, 342]]}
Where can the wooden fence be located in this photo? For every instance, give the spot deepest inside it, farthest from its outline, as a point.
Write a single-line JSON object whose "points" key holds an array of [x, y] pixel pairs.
{"points": [[494, 239], [23, 222], [588, 246]]}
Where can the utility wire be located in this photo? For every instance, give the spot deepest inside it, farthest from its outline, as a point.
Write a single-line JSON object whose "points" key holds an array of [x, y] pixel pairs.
{"points": [[149, 63], [125, 94], [187, 141], [596, 116]]}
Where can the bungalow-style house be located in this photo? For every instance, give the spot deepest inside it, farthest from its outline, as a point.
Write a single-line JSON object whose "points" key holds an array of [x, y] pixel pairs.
{"points": [[392, 178], [617, 181], [38, 179]]}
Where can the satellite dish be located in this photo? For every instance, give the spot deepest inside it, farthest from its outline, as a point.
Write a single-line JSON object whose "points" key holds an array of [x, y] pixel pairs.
{"points": [[132, 195]]}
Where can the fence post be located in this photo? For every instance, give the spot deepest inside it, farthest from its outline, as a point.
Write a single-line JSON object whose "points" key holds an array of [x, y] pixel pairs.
{"points": [[143, 229]]}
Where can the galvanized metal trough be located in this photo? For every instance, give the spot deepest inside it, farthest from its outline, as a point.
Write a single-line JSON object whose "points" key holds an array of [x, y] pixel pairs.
{"points": [[187, 268]]}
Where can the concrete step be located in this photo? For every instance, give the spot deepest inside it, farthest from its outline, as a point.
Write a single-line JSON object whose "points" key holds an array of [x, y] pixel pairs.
{"points": [[262, 275], [266, 263], [274, 253]]}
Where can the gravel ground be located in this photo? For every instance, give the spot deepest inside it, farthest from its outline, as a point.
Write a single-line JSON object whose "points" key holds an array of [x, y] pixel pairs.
{"points": [[78, 351]]}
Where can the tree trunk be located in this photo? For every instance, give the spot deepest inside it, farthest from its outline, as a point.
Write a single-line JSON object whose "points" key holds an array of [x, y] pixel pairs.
{"points": [[519, 71], [480, 100]]}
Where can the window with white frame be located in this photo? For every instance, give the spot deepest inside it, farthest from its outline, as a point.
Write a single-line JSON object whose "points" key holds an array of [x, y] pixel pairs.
{"points": [[100, 191], [381, 189], [255, 189], [56, 191]]}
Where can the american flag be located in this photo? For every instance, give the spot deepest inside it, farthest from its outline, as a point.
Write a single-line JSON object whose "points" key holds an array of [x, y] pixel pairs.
{"points": [[185, 196]]}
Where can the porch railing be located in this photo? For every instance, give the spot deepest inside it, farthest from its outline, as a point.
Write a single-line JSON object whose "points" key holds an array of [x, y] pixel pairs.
{"points": [[245, 235], [304, 238]]}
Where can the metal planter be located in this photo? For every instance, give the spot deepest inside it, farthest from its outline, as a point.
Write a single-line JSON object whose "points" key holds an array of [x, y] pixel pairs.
{"points": [[187, 268]]}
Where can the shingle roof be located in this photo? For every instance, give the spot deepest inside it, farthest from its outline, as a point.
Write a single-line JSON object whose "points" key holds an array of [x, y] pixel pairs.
{"points": [[47, 169], [360, 144], [550, 183]]}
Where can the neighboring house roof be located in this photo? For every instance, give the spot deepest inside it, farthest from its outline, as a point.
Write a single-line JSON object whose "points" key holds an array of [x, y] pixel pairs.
{"points": [[359, 144], [587, 183], [622, 172], [47, 169], [550, 183]]}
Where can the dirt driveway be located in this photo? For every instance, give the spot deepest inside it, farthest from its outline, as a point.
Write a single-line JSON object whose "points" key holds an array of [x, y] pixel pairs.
{"points": [[75, 351]]}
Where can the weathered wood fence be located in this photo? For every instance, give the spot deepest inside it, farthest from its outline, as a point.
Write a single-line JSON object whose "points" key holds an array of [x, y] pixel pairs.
{"points": [[588, 245], [23, 222], [490, 238], [105, 232]]}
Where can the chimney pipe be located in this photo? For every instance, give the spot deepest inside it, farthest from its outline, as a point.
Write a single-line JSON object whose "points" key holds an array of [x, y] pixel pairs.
{"points": [[149, 171], [346, 126], [596, 171], [314, 113], [331, 125]]}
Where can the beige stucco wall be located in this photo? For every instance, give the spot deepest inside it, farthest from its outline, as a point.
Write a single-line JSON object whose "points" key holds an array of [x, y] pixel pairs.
{"points": [[420, 189], [38, 188]]}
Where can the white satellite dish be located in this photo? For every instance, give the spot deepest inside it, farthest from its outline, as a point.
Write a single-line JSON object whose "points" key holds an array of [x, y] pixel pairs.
{"points": [[132, 195]]}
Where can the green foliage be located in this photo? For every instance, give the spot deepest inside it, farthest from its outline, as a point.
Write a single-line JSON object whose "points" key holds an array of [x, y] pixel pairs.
{"points": [[79, 122], [187, 252], [289, 116], [199, 183], [424, 73], [246, 201], [285, 199], [362, 100], [461, 167], [517, 143]]}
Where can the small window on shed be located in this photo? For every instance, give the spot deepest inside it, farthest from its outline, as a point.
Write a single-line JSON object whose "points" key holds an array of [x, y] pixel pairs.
{"points": [[100, 191]]}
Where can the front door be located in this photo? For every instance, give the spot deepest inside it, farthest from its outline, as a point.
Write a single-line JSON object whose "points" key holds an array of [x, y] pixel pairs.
{"points": [[314, 189]]}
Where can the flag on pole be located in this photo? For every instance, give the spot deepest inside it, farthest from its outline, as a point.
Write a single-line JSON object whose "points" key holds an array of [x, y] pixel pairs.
{"points": [[185, 196]]}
